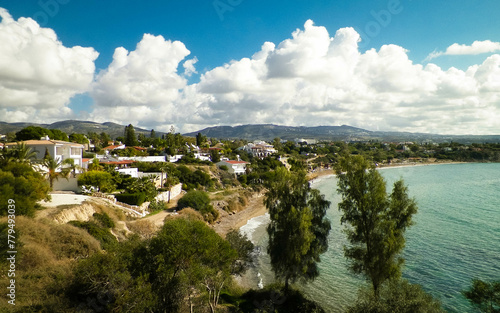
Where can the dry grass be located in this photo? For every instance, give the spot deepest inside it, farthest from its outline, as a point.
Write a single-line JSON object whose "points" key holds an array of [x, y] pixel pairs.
{"points": [[144, 228], [46, 255]]}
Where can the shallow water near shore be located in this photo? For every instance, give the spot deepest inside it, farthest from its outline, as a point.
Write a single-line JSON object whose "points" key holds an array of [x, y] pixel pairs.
{"points": [[456, 236]]}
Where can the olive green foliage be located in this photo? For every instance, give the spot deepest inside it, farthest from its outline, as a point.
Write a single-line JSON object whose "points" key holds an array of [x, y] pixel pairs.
{"points": [[78, 138], [130, 137], [376, 221], [243, 247], [36, 132], [396, 296], [20, 153], [102, 180], [200, 201], [104, 220], [156, 206], [18, 181], [194, 179], [261, 171], [131, 198], [142, 185], [104, 283], [298, 229], [99, 227], [484, 295]]}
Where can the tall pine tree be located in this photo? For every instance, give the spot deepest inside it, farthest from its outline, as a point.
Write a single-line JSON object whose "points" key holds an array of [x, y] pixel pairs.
{"points": [[298, 229], [377, 221], [130, 137]]}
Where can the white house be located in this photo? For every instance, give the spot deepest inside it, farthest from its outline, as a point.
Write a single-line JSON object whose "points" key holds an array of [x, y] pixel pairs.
{"points": [[234, 167], [57, 149], [259, 149]]}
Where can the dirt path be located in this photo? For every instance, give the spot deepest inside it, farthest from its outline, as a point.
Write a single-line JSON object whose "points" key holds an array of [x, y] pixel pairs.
{"points": [[158, 218]]}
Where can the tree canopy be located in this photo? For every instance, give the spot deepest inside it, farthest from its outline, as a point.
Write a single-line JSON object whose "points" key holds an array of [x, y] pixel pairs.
{"points": [[298, 229], [377, 221]]}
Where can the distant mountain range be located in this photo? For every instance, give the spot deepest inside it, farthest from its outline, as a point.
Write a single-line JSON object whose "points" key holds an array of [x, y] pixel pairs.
{"points": [[261, 131], [80, 127], [344, 132]]}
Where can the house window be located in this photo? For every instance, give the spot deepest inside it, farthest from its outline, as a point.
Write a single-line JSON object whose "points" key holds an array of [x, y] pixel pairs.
{"points": [[59, 150], [75, 151]]}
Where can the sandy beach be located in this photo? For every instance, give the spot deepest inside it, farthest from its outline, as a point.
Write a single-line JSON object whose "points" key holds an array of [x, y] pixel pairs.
{"points": [[254, 208]]}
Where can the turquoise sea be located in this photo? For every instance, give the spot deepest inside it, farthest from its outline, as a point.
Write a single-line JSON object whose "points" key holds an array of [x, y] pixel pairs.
{"points": [[456, 236]]}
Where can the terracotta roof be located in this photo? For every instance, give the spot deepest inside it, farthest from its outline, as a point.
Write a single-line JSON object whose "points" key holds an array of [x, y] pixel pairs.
{"points": [[236, 162], [85, 160], [139, 148], [112, 147]]}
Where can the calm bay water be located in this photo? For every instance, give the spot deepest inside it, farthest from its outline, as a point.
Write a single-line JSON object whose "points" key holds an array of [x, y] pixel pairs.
{"points": [[456, 236]]}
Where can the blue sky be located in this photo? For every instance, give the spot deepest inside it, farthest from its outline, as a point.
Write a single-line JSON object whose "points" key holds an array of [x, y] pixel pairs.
{"points": [[219, 32]]}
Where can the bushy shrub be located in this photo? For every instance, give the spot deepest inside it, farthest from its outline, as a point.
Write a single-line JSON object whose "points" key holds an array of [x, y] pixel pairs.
{"points": [[103, 235], [99, 179], [131, 198], [104, 220], [155, 206], [199, 201]]}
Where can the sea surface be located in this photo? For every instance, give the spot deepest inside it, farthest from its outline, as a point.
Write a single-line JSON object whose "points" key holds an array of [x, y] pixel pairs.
{"points": [[456, 236]]}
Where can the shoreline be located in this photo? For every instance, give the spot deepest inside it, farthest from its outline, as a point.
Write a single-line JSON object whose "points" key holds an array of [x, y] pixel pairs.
{"points": [[256, 207]]}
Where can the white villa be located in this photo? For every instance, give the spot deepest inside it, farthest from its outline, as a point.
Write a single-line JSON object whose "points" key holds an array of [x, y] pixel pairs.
{"points": [[57, 149], [259, 149], [234, 167]]}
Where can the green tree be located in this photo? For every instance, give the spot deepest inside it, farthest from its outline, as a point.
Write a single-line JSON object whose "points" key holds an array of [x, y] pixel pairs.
{"points": [[484, 295], [214, 156], [52, 170], [130, 137], [187, 258], [70, 166], [377, 221], [244, 247], [57, 134], [101, 180], [200, 201], [200, 139], [103, 283], [32, 133], [396, 296], [298, 229], [94, 166], [78, 138], [142, 185], [20, 182], [19, 153]]}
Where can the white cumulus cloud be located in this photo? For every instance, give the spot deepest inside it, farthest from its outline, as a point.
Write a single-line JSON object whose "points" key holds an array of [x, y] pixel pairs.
{"points": [[38, 74], [315, 79], [477, 47], [143, 86]]}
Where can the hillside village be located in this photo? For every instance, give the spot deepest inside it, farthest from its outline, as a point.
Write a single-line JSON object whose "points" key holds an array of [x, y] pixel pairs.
{"points": [[103, 191]]}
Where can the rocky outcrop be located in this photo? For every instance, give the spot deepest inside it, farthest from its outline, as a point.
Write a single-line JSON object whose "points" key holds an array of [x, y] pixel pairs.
{"points": [[79, 213]]}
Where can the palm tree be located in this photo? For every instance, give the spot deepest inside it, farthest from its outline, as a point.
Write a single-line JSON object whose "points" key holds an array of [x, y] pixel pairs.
{"points": [[19, 153], [71, 166], [52, 174]]}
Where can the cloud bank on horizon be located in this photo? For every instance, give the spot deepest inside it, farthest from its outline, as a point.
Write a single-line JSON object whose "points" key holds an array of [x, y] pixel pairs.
{"points": [[310, 79]]}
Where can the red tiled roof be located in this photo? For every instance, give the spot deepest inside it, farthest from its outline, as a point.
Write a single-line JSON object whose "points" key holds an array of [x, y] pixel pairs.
{"points": [[236, 162], [112, 147], [139, 148]]}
